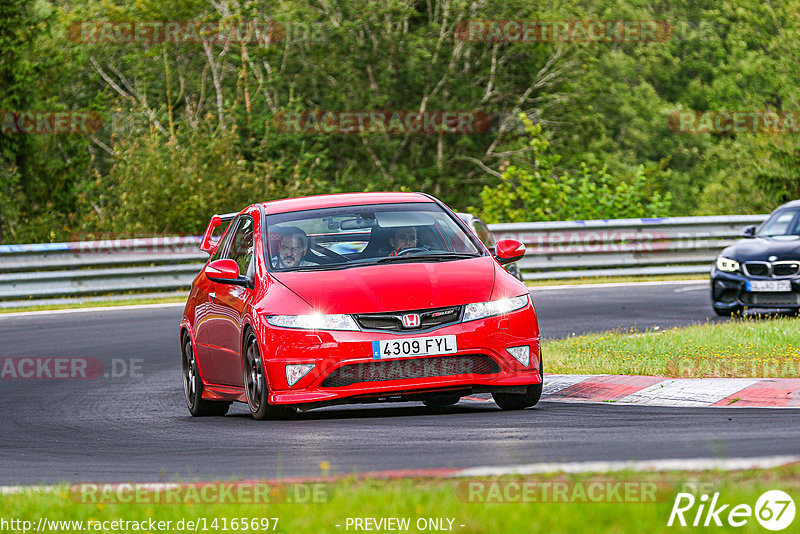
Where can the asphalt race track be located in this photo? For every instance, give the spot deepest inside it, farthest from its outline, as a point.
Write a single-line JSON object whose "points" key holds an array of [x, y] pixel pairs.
{"points": [[138, 429]]}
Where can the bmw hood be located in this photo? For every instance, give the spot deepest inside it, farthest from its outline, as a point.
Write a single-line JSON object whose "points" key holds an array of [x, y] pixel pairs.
{"points": [[394, 287], [763, 248]]}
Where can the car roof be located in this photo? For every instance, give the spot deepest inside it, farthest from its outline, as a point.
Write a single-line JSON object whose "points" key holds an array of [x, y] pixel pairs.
{"points": [[790, 204], [341, 199]]}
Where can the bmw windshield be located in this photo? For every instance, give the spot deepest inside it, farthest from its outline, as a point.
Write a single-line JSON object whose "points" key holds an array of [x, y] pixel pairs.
{"points": [[353, 236]]}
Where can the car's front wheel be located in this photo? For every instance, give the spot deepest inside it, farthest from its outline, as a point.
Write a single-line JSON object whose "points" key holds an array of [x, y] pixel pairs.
{"points": [[444, 400], [255, 385], [193, 386], [520, 401]]}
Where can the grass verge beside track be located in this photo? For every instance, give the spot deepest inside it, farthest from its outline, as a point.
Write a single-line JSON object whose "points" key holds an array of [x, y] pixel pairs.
{"points": [[615, 502], [745, 347], [94, 304]]}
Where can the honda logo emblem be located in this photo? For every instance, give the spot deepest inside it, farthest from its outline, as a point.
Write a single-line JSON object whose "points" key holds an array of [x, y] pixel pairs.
{"points": [[411, 320]]}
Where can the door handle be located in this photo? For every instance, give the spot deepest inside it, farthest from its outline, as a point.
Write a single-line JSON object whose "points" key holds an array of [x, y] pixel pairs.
{"points": [[212, 295]]}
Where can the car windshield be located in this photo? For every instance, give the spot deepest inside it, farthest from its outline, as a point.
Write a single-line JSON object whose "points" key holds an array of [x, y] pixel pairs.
{"points": [[784, 222], [353, 236]]}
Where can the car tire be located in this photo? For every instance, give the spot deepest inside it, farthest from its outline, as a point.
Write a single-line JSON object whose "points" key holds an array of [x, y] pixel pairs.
{"points": [[728, 312], [520, 401], [193, 385], [448, 400], [256, 387]]}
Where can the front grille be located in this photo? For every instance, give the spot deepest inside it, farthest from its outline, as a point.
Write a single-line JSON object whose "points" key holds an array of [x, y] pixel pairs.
{"points": [[431, 318], [777, 269], [756, 268], [785, 269], [771, 299], [379, 371]]}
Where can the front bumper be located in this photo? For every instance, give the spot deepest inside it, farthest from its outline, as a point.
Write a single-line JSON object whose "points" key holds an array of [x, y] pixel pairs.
{"points": [[729, 292], [481, 362]]}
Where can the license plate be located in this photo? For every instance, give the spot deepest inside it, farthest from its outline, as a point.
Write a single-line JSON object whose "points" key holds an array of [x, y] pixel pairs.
{"points": [[416, 346], [769, 285]]}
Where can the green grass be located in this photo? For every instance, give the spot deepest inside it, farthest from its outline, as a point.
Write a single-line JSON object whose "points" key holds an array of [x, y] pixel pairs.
{"points": [[615, 280], [747, 347], [448, 498], [95, 304]]}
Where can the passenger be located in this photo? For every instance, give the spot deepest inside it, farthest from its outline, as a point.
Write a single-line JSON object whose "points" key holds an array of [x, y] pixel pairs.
{"points": [[292, 249]]}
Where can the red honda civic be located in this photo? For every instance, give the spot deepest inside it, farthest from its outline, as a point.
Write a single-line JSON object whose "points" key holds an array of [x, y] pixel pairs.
{"points": [[353, 298]]}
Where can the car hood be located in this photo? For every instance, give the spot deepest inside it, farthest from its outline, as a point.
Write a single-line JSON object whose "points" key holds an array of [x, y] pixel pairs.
{"points": [[394, 287], [762, 248]]}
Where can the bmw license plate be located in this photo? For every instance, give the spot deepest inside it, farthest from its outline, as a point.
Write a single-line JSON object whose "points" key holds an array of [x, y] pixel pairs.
{"points": [[769, 285], [418, 346]]}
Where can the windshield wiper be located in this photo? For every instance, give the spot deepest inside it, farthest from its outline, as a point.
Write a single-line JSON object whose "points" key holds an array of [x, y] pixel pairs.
{"points": [[321, 267], [430, 257]]}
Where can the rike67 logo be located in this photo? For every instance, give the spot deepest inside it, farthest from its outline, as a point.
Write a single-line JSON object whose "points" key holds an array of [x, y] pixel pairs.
{"points": [[774, 510]]}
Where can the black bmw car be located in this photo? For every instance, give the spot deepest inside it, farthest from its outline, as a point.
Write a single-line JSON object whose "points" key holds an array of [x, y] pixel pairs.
{"points": [[763, 270]]}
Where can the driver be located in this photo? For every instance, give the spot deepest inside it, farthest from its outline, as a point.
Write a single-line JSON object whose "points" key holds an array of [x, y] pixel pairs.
{"points": [[402, 238], [292, 249]]}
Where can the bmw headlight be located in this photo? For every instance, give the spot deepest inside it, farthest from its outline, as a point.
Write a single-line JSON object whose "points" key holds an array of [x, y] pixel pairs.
{"points": [[314, 321], [494, 307], [728, 265]]}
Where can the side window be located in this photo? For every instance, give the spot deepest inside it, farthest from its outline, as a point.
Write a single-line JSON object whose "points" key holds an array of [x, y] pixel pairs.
{"points": [[242, 246], [484, 234]]}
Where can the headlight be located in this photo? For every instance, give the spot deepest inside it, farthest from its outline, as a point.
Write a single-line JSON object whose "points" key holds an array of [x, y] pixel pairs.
{"points": [[726, 264], [314, 321], [494, 307]]}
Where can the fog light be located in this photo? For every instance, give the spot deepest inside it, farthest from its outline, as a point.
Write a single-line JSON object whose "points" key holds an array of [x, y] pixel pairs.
{"points": [[297, 371], [521, 354]]}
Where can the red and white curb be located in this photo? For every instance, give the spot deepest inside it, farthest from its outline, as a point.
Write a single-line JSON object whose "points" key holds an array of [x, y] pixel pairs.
{"points": [[660, 391]]}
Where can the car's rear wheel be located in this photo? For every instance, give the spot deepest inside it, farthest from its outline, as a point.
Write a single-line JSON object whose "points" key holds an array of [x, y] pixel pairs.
{"points": [[520, 401], [444, 400], [193, 386], [255, 385]]}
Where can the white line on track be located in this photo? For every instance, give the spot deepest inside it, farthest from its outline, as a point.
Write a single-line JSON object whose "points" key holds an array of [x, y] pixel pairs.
{"points": [[616, 284], [94, 309]]}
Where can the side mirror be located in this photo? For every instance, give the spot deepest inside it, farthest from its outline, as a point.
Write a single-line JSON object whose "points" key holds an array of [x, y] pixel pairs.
{"points": [[750, 231], [226, 272], [508, 251], [206, 245]]}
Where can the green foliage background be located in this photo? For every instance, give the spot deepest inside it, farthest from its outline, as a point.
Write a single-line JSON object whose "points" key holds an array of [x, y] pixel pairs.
{"points": [[579, 130]]}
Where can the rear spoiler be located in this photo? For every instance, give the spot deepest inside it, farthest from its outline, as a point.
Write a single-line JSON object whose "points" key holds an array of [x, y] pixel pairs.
{"points": [[206, 245]]}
